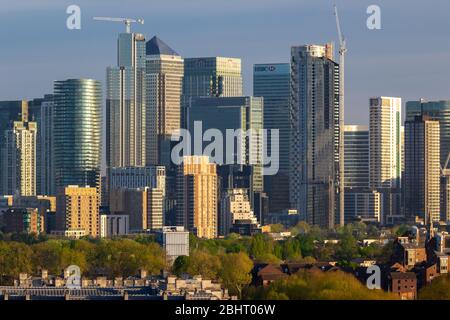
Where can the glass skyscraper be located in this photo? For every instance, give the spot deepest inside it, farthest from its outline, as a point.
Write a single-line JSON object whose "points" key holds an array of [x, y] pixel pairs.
{"points": [[211, 77], [126, 104], [314, 155], [77, 132], [271, 81], [436, 110], [356, 159]]}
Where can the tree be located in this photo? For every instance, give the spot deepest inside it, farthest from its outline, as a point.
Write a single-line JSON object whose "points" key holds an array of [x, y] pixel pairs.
{"points": [[438, 289], [235, 271], [203, 263], [276, 227], [15, 258], [47, 255], [180, 265]]}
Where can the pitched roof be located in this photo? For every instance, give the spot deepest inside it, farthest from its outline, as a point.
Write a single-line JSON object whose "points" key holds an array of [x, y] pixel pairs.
{"points": [[156, 46]]}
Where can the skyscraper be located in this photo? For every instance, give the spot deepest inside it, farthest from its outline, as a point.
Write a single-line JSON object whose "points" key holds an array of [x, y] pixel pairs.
{"points": [[19, 159], [422, 169], [385, 164], [126, 104], [356, 163], [272, 82], [314, 156], [197, 205], [77, 132], [436, 110], [232, 113], [41, 111], [210, 77], [10, 111], [164, 76]]}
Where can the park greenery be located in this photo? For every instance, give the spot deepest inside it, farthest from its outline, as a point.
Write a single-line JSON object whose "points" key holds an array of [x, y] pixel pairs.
{"points": [[229, 260]]}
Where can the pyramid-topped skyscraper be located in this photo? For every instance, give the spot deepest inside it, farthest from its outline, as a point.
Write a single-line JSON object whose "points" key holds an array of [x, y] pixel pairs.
{"points": [[164, 76]]}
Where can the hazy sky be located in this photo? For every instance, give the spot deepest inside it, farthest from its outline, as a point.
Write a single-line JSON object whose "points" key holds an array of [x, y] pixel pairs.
{"points": [[409, 57]]}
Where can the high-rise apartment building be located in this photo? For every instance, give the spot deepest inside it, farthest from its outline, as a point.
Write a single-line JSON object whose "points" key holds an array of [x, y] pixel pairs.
{"points": [[435, 110], [77, 132], [422, 169], [210, 77], [164, 81], [19, 159], [385, 164], [235, 205], [356, 155], [315, 137], [77, 210], [272, 82], [365, 206], [126, 104], [23, 220], [197, 205]]}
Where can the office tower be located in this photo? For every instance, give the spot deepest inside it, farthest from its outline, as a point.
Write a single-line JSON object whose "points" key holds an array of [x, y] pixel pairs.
{"points": [[77, 132], [272, 82], [235, 205], [164, 76], [138, 177], [210, 77], [445, 196], [23, 220], [144, 207], [77, 210], [385, 154], [19, 159], [114, 225], [175, 241], [363, 205], [356, 163], [232, 113], [422, 169], [126, 104], [314, 154], [436, 110], [197, 196], [41, 112]]}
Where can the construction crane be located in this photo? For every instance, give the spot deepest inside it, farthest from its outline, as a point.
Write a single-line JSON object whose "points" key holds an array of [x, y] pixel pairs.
{"points": [[444, 168], [126, 21], [342, 52]]}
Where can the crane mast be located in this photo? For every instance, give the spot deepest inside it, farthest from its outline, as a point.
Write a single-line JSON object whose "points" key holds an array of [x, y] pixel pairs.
{"points": [[342, 52]]}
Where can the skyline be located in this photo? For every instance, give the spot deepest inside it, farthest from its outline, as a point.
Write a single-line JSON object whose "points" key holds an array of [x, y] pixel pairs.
{"points": [[260, 32]]}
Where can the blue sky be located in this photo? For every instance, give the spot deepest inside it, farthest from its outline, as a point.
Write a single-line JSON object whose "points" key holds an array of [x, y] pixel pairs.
{"points": [[409, 57]]}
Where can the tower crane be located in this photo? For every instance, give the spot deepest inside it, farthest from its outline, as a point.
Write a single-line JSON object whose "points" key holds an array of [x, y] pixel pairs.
{"points": [[126, 21], [342, 52]]}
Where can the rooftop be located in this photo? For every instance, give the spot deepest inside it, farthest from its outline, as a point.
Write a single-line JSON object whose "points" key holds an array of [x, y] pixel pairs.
{"points": [[156, 46]]}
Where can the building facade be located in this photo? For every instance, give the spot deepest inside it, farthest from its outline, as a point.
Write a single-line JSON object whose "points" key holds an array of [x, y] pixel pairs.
{"points": [[144, 207], [197, 205], [126, 104], [356, 163], [175, 241], [164, 80], [234, 205], [231, 113], [210, 77], [385, 154], [19, 159], [422, 169], [314, 157], [77, 132], [114, 225], [23, 220], [363, 206], [435, 110], [77, 210], [272, 82]]}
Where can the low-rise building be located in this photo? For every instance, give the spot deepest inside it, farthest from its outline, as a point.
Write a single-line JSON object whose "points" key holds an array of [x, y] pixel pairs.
{"points": [[175, 241], [404, 284], [114, 225]]}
